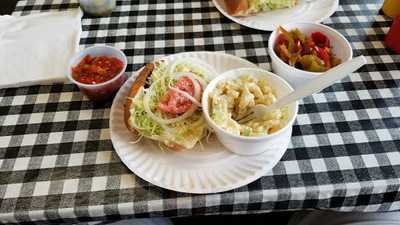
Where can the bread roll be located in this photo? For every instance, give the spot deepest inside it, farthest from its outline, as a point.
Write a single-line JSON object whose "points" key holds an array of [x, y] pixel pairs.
{"points": [[237, 7], [139, 82]]}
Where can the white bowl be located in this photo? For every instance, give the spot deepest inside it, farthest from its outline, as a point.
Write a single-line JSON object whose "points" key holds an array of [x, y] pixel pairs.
{"points": [[105, 90], [243, 145], [296, 77]]}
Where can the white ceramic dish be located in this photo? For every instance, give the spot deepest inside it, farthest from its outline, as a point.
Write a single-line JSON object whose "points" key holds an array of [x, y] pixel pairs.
{"points": [[296, 77], [251, 145], [200, 170], [304, 11]]}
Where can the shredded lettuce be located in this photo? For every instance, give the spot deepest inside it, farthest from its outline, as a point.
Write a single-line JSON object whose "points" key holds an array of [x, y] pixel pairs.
{"points": [[185, 133], [266, 5], [188, 67], [139, 119]]}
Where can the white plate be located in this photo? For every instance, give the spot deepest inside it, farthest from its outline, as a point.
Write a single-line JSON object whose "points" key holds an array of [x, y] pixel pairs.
{"points": [[304, 11], [200, 170]]}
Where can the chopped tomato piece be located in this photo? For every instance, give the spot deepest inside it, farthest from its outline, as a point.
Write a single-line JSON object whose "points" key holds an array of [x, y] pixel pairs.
{"points": [[308, 46], [85, 79], [324, 55], [320, 39], [298, 46], [95, 70], [283, 53], [281, 39], [174, 102]]}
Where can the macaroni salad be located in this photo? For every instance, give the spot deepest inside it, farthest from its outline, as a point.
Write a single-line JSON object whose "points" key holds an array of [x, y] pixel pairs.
{"points": [[232, 99]]}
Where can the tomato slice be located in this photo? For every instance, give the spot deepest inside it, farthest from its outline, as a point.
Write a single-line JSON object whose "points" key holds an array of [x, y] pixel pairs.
{"points": [[174, 102]]}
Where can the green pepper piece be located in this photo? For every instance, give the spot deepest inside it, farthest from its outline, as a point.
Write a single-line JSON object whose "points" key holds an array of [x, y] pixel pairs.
{"points": [[315, 67], [297, 34], [306, 61], [312, 63]]}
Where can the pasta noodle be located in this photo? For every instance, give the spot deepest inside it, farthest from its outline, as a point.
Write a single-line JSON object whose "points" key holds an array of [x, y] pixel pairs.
{"points": [[232, 99]]}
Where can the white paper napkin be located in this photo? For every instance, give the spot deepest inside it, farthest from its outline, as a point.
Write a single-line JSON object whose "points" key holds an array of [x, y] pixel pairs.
{"points": [[35, 49]]}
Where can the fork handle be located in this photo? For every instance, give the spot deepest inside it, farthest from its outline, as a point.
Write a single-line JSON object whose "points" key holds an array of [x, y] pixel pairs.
{"points": [[321, 82]]}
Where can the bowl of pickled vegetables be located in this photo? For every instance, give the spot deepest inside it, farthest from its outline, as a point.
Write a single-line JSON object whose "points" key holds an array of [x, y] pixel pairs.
{"points": [[302, 51]]}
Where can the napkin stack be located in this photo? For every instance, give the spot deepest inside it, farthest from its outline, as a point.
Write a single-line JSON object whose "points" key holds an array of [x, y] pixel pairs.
{"points": [[35, 49]]}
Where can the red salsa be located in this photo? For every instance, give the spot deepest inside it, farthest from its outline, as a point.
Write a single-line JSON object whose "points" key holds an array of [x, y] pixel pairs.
{"points": [[96, 70]]}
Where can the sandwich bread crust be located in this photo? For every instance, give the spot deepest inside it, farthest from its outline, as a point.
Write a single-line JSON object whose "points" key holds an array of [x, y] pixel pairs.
{"points": [[139, 82], [237, 7]]}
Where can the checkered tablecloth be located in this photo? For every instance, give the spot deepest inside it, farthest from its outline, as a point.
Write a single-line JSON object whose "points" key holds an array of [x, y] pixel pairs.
{"points": [[57, 162]]}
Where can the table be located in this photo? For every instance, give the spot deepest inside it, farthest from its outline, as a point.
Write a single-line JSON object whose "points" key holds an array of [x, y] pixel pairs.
{"points": [[57, 162], [7, 7]]}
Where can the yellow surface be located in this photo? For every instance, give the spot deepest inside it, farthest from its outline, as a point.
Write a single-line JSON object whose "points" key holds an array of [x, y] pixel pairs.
{"points": [[391, 8]]}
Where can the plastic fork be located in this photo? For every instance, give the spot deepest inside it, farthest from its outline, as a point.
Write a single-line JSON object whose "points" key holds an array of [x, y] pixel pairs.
{"points": [[322, 81]]}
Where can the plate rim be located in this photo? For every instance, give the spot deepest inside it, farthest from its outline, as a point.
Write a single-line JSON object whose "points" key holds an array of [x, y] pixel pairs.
{"points": [[236, 20], [258, 174]]}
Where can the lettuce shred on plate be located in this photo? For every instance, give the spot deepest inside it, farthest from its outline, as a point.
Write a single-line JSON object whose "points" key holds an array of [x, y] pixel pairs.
{"points": [[185, 132], [267, 5]]}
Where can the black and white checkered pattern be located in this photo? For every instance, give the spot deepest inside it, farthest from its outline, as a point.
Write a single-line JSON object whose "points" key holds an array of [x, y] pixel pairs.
{"points": [[57, 162]]}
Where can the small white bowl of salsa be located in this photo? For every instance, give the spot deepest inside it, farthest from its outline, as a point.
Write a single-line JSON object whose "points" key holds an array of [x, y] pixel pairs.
{"points": [[98, 71]]}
